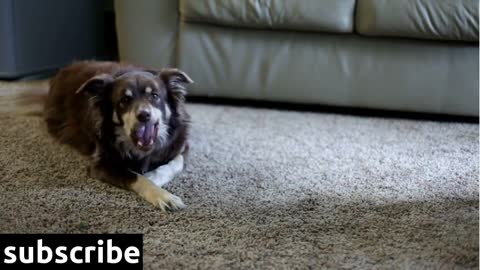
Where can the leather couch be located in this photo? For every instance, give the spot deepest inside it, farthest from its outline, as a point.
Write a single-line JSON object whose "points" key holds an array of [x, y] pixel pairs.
{"points": [[407, 55]]}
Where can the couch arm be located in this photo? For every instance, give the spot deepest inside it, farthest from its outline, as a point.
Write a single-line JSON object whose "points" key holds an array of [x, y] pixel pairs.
{"points": [[147, 29]]}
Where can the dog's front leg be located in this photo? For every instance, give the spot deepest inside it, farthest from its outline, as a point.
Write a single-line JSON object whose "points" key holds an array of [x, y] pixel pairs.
{"points": [[140, 184], [165, 173], [156, 195]]}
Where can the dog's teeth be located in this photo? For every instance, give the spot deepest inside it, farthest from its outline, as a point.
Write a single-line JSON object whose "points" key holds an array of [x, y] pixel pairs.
{"points": [[140, 143]]}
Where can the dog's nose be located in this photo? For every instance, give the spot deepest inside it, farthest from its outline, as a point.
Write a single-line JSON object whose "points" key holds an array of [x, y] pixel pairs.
{"points": [[144, 116]]}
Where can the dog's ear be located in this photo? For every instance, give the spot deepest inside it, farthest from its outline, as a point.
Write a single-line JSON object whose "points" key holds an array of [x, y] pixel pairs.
{"points": [[96, 84], [174, 80]]}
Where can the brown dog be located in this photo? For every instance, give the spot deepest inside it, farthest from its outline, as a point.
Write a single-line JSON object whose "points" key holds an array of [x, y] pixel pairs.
{"points": [[130, 120]]}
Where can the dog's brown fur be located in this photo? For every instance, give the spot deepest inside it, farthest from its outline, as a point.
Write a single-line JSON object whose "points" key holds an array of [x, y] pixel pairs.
{"points": [[79, 109]]}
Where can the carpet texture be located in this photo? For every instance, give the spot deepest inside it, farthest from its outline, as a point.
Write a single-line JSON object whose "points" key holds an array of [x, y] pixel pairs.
{"points": [[269, 189]]}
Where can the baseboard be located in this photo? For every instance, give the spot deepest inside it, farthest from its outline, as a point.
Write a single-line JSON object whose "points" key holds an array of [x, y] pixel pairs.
{"points": [[335, 109]]}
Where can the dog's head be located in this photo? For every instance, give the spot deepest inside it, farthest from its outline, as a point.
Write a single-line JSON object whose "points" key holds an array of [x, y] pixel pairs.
{"points": [[139, 103]]}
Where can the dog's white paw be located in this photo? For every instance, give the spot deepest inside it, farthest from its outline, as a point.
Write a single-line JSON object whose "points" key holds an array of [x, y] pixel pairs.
{"points": [[175, 203], [157, 196], [164, 200]]}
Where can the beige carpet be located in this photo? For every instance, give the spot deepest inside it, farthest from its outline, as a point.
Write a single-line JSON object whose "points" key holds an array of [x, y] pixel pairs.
{"points": [[269, 189]]}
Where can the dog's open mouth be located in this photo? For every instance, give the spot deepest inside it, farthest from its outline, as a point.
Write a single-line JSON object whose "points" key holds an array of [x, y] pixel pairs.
{"points": [[144, 135]]}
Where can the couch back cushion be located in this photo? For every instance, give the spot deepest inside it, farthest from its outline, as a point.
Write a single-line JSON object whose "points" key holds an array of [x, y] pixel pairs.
{"points": [[425, 19], [335, 16]]}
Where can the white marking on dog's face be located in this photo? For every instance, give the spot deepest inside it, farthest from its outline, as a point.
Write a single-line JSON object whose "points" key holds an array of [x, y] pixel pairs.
{"points": [[145, 107], [156, 113], [157, 116], [128, 93], [168, 112], [115, 118], [148, 90], [129, 121]]}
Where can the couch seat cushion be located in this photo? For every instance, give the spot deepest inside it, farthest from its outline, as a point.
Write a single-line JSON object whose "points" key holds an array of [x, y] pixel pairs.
{"points": [[304, 15], [424, 19]]}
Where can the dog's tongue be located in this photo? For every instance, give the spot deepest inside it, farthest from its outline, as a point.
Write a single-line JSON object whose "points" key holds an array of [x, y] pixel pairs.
{"points": [[145, 134]]}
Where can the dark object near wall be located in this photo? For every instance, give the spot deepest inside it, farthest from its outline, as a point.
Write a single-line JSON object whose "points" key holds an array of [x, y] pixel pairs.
{"points": [[41, 36]]}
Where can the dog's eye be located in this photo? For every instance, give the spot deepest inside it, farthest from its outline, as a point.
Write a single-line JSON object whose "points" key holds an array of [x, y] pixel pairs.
{"points": [[155, 95], [125, 99]]}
